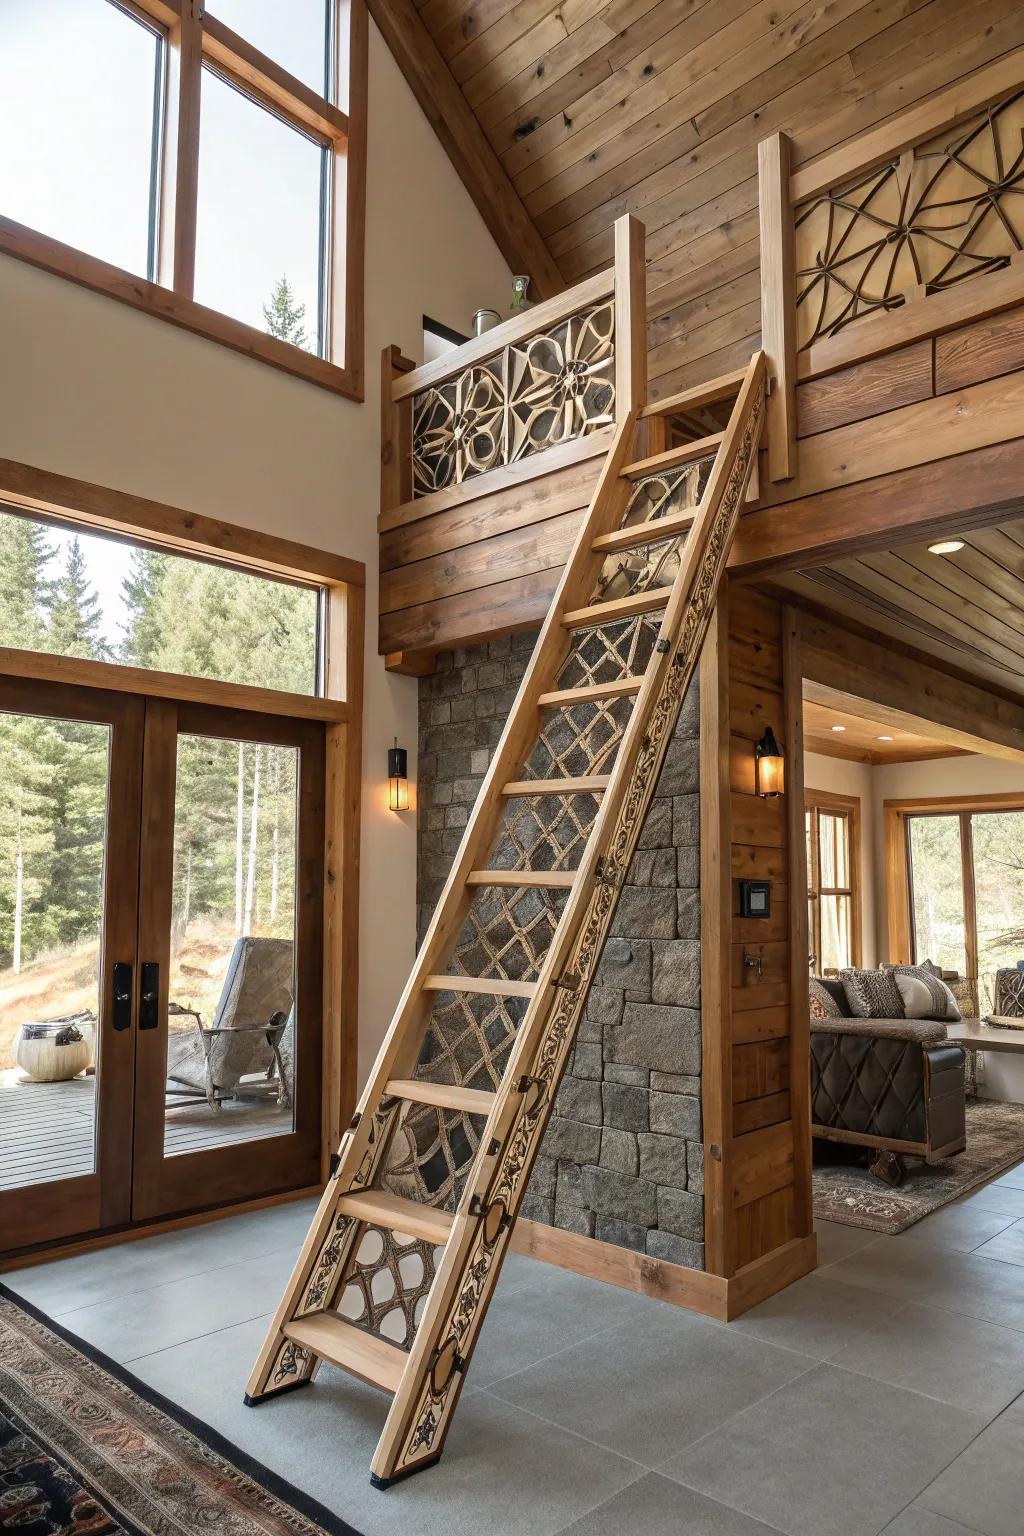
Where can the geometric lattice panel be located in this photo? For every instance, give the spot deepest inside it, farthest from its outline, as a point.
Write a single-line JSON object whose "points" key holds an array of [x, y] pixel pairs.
{"points": [[389, 1279], [429, 1154], [605, 653], [629, 571], [546, 390], [507, 933], [469, 1038], [578, 740], [942, 213], [544, 832]]}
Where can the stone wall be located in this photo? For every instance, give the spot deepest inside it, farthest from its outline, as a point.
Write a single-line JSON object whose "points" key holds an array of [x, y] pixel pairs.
{"points": [[623, 1157]]}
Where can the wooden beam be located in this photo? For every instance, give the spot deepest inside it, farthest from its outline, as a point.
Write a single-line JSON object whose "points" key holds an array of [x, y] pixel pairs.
{"points": [[478, 166], [778, 302]]}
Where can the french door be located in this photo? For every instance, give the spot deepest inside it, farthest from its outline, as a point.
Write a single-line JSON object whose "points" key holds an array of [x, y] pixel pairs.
{"points": [[161, 880]]}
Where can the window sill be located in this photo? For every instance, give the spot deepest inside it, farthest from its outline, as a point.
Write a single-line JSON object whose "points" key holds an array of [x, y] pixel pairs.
{"points": [[26, 244]]}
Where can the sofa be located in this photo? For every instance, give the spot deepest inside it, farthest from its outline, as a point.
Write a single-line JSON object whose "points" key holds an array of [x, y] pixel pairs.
{"points": [[894, 1085]]}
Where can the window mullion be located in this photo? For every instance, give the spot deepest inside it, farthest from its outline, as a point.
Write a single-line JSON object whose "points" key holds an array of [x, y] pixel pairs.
{"points": [[181, 151]]}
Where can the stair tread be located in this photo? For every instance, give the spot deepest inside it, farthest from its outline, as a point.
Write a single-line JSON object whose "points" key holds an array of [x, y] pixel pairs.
{"points": [[494, 987], [562, 698], [621, 608], [556, 878], [398, 1214], [589, 784], [656, 531], [471, 1101], [364, 1354], [672, 458]]}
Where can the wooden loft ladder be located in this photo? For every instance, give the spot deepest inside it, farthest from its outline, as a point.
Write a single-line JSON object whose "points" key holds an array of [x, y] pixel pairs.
{"points": [[400, 1263]]}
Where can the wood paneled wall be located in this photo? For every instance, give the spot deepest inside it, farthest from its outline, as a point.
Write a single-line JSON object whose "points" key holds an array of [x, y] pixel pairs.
{"points": [[757, 1136]]}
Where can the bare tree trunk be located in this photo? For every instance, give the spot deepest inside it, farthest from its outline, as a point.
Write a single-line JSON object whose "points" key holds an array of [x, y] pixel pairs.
{"points": [[275, 865], [186, 903], [239, 837], [254, 820], [19, 900]]}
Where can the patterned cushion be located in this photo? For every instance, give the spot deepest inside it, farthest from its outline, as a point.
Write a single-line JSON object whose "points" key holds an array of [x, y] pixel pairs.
{"points": [[872, 994], [925, 995], [823, 1004]]}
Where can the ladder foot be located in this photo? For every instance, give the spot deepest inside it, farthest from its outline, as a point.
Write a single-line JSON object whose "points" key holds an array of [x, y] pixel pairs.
{"points": [[264, 1397], [397, 1477]]}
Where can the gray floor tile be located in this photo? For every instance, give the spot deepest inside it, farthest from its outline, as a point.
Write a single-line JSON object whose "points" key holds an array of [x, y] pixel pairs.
{"points": [[958, 1282], [984, 1488], [817, 1315], [554, 1309], [651, 1387], [184, 1309], [917, 1521], [1005, 1199], [1013, 1176], [656, 1506], [962, 1228], [837, 1242], [974, 1365], [1007, 1245], [831, 1454], [503, 1471]]}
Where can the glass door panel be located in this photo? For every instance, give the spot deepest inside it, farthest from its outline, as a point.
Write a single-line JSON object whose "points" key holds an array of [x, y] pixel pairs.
{"points": [[69, 823], [937, 905], [998, 843], [229, 1056]]}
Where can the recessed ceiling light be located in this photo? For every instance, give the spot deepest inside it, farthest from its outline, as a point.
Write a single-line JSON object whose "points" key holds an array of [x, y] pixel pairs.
{"points": [[946, 547], [885, 738], [839, 727]]}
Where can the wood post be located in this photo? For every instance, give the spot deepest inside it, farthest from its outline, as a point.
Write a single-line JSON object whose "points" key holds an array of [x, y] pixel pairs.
{"points": [[778, 302]]}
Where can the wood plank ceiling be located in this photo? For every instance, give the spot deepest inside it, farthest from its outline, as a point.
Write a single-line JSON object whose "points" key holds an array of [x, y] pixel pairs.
{"points": [[831, 730], [595, 108]]}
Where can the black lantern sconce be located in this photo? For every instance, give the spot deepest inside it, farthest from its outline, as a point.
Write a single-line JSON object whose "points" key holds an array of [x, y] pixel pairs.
{"points": [[398, 778], [769, 767]]}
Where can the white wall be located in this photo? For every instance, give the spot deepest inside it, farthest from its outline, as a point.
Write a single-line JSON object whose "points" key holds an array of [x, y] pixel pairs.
{"points": [[92, 389], [838, 776]]}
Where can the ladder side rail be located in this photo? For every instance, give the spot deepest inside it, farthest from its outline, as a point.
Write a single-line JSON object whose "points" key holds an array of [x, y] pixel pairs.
{"points": [[419, 1414]]}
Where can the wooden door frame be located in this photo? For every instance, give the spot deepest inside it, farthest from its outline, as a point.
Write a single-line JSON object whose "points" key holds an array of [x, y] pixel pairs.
{"points": [[89, 507]]}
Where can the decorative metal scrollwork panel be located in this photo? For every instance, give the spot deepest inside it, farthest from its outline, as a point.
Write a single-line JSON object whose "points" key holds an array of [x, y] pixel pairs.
{"points": [[530, 396], [507, 933], [387, 1287], [578, 740], [430, 1154], [652, 565], [944, 212], [469, 1038]]}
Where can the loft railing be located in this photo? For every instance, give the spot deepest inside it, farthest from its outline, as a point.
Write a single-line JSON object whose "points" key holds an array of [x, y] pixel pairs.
{"points": [[913, 229]]}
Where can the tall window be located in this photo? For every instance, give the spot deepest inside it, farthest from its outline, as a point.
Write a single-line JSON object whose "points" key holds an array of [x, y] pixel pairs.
{"points": [[203, 150], [965, 888], [833, 898]]}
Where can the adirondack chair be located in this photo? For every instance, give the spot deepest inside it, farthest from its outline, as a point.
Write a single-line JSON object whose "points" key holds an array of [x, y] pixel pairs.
{"points": [[245, 1036]]}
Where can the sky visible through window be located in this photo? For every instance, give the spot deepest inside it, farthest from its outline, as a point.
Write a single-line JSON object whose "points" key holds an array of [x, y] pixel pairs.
{"points": [[80, 169]]}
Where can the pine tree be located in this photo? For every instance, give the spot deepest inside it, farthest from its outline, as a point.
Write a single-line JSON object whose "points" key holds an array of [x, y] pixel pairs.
{"points": [[141, 591], [283, 317], [24, 587], [76, 623]]}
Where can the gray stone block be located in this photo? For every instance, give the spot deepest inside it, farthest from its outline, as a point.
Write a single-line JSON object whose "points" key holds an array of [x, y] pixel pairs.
{"points": [[573, 1140], [490, 675], [615, 1194], [656, 831], [687, 911], [653, 866], [677, 1250], [637, 1077], [542, 1179], [624, 1234], [618, 1151], [675, 974], [499, 648], [572, 1219], [644, 913], [686, 821], [605, 1004], [465, 791], [680, 774], [536, 1208], [463, 709], [662, 1159], [658, 1036], [673, 1082], [625, 963], [587, 1061], [569, 1186], [676, 1114], [695, 1166], [682, 1212], [479, 760], [688, 723], [440, 712], [579, 1100], [625, 1107], [456, 815]]}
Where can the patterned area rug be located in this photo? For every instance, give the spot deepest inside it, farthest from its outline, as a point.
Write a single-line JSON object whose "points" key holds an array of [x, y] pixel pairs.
{"points": [[87, 1450], [844, 1191]]}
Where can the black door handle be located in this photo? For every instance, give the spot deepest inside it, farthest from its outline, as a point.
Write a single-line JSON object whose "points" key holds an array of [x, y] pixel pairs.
{"points": [[122, 983], [149, 995]]}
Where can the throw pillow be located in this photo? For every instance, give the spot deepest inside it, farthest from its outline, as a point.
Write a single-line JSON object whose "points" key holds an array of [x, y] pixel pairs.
{"points": [[823, 1004], [872, 994], [941, 1004]]}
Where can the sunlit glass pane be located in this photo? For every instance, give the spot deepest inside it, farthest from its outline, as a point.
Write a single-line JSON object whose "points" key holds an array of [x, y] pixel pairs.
{"points": [[999, 888], [293, 35], [80, 94], [259, 237], [836, 945], [938, 892]]}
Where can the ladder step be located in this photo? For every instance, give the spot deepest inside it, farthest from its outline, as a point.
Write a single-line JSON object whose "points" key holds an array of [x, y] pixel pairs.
{"points": [[557, 879], [563, 698], [469, 1101], [590, 784], [398, 1215], [623, 608], [722, 388], [672, 458], [363, 1354], [654, 532], [495, 988]]}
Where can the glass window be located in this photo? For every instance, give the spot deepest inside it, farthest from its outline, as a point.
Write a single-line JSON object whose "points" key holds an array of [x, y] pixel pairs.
{"points": [[937, 892], [830, 889], [72, 593], [293, 35], [260, 247], [80, 104], [998, 838]]}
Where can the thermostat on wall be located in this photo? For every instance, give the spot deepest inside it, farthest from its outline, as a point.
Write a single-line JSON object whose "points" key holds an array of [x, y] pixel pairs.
{"points": [[755, 898]]}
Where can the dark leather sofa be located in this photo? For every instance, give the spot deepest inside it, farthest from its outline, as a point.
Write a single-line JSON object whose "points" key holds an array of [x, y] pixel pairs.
{"points": [[896, 1085]]}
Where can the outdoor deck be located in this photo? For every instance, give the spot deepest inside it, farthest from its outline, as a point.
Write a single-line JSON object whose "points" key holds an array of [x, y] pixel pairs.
{"points": [[47, 1129]]}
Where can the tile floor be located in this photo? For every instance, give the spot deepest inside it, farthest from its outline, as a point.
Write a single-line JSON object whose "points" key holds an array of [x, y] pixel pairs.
{"points": [[884, 1393]]}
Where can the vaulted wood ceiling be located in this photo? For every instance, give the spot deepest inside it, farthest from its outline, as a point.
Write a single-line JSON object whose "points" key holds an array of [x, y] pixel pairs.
{"points": [[587, 109]]}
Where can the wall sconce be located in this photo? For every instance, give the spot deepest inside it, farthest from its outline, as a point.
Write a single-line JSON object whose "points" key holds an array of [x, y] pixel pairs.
{"points": [[769, 767], [398, 778]]}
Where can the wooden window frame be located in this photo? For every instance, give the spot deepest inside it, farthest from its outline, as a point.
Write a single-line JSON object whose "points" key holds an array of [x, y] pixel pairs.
{"points": [[195, 39], [80, 504], [816, 800]]}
